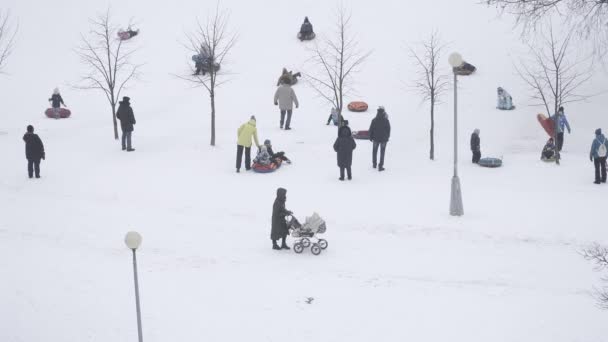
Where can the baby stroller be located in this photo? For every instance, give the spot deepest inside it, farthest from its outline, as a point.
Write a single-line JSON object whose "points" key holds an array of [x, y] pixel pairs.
{"points": [[303, 234]]}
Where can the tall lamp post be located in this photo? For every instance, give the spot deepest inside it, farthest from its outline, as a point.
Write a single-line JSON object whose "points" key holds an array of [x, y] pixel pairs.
{"points": [[133, 241], [456, 207]]}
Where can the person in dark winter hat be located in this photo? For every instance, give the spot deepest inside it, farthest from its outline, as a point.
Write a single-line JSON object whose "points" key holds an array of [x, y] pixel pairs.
{"points": [[344, 146], [476, 146], [306, 31], [127, 120], [562, 124], [34, 151], [598, 154], [379, 134], [279, 155], [279, 230]]}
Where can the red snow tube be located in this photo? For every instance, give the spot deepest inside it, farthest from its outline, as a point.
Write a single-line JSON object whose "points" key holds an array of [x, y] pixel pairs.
{"points": [[357, 106], [58, 113], [361, 135], [272, 167], [547, 124]]}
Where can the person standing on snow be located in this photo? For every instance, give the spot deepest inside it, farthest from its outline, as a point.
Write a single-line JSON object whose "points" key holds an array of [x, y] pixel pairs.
{"points": [[476, 146], [279, 230], [598, 154], [379, 133], [285, 98], [56, 101], [127, 120], [34, 151], [245, 134], [344, 146], [562, 123]]}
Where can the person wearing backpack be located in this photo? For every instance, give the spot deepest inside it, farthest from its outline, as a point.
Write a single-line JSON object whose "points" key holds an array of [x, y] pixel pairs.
{"points": [[598, 154]]}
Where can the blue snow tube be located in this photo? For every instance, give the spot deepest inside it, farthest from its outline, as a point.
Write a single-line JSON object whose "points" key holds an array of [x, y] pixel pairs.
{"points": [[490, 162]]}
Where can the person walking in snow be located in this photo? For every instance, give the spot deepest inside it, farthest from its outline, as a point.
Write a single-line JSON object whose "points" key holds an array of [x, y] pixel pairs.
{"points": [[246, 133], [56, 101], [379, 133], [127, 120], [285, 98], [562, 123], [279, 229], [476, 146], [34, 151], [598, 154], [344, 146]]}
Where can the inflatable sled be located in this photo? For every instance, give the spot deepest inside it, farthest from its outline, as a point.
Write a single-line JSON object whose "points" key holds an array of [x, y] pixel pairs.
{"points": [[126, 35], [58, 113], [547, 124], [506, 108], [490, 162], [272, 167], [465, 69], [357, 106], [309, 37], [361, 135]]}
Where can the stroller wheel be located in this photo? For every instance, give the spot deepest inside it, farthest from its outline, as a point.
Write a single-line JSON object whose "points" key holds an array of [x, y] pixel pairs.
{"points": [[305, 242], [323, 243], [315, 249], [298, 248]]}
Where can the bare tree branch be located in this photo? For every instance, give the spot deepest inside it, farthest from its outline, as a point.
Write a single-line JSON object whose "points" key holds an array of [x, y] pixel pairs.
{"points": [[8, 32], [108, 60], [599, 256]]}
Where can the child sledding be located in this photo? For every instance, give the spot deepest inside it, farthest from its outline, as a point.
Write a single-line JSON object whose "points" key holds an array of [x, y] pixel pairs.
{"points": [[128, 34], [267, 161], [204, 63], [306, 31], [548, 154], [505, 101]]}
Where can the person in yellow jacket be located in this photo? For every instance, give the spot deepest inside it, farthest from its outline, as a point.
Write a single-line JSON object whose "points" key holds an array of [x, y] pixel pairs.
{"points": [[246, 132]]}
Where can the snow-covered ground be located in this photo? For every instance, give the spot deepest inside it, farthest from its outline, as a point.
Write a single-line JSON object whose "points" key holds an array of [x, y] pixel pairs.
{"points": [[398, 267]]}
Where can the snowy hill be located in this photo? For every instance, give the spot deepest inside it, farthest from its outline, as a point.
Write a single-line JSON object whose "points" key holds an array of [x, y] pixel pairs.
{"points": [[398, 267]]}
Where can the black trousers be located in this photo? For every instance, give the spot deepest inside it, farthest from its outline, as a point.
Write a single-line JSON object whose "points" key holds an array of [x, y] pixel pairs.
{"points": [[288, 122], [279, 155], [348, 172], [560, 141], [600, 165], [33, 165], [476, 156], [126, 140], [382, 146], [239, 157]]}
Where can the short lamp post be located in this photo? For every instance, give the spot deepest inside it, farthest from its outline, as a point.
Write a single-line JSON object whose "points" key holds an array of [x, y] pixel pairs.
{"points": [[133, 241], [456, 207]]}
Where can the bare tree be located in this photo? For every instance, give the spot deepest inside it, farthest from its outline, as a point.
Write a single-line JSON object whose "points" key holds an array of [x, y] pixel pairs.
{"points": [[553, 76], [588, 18], [108, 60], [337, 59], [599, 256], [7, 38], [430, 82], [213, 42]]}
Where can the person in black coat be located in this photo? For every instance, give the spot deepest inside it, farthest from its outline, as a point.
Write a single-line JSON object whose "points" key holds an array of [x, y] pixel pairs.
{"points": [[476, 146], [344, 146], [34, 151], [379, 133], [56, 99], [306, 30], [127, 120], [279, 224]]}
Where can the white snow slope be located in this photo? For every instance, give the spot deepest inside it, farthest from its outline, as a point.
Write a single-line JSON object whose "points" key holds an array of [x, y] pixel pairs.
{"points": [[398, 267]]}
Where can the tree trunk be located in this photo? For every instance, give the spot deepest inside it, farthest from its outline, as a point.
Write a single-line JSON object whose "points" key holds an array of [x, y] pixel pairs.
{"points": [[432, 152], [212, 95], [114, 121]]}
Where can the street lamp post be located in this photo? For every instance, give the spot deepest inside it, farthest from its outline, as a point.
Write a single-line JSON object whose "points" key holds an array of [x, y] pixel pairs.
{"points": [[456, 207], [133, 241]]}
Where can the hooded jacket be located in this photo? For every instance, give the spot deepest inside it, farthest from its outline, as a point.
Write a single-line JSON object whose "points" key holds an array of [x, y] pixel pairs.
{"points": [[285, 97], [475, 141], [380, 128], [344, 146], [126, 116], [562, 123], [279, 225], [34, 149], [597, 142], [306, 27], [246, 132], [56, 101]]}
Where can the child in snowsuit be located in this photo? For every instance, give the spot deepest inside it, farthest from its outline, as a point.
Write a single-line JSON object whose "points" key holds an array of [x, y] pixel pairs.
{"points": [[56, 101], [34, 151], [476, 146], [505, 101], [344, 146], [548, 151], [274, 156], [263, 157], [279, 230], [598, 154]]}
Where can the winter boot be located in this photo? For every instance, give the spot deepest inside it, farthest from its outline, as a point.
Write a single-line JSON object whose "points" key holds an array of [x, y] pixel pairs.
{"points": [[284, 245], [275, 246]]}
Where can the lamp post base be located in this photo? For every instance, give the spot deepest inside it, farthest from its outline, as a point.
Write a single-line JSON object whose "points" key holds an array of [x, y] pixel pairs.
{"points": [[456, 208]]}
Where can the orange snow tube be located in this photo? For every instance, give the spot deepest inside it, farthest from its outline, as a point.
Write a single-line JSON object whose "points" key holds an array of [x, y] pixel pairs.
{"points": [[357, 106]]}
